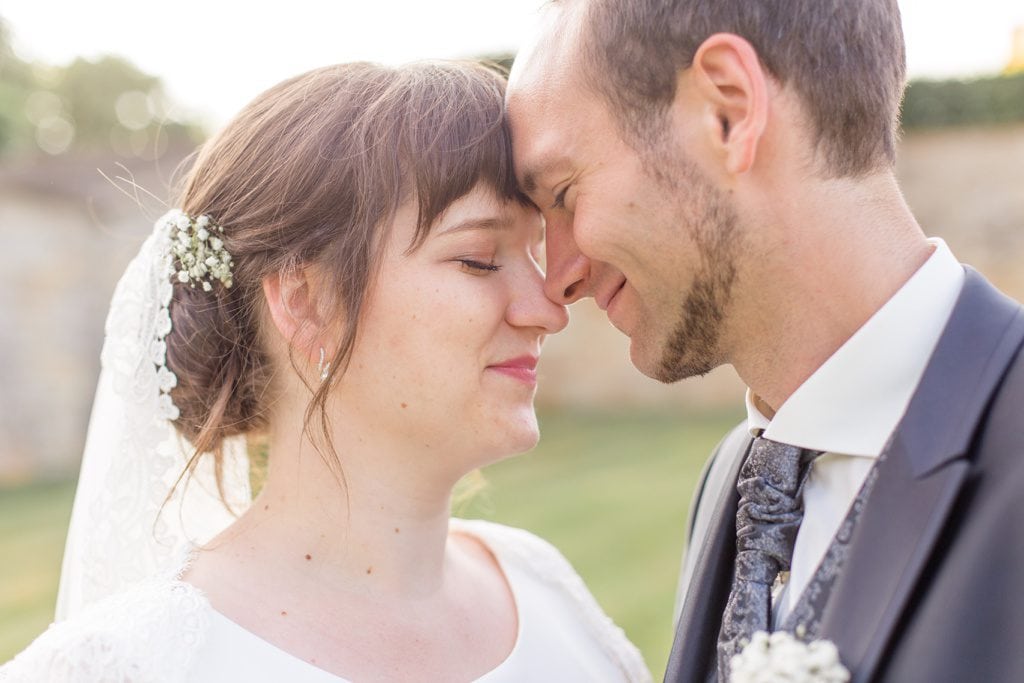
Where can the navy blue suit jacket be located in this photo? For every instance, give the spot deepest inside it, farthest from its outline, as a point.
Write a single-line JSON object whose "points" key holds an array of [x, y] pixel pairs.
{"points": [[932, 587]]}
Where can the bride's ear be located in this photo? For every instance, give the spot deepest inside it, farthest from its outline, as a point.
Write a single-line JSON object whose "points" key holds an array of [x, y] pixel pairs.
{"points": [[294, 310]]}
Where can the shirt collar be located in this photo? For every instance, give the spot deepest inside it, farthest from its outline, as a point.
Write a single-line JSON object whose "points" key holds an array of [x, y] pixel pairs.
{"points": [[854, 401]]}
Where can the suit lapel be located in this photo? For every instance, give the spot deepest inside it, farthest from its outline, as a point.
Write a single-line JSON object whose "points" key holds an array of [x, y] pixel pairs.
{"points": [[897, 529], [921, 475], [694, 650]]}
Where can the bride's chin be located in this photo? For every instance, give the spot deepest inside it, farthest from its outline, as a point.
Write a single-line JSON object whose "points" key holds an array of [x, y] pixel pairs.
{"points": [[500, 435], [515, 437]]}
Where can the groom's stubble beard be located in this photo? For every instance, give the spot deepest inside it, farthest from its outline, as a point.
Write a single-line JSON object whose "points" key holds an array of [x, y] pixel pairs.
{"points": [[692, 347]]}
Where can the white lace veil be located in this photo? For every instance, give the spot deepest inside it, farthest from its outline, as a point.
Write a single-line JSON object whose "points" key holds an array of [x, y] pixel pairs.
{"points": [[121, 531]]}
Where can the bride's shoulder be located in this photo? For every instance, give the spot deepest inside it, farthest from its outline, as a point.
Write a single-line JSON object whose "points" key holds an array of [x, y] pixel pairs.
{"points": [[149, 632], [518, 546], [545, 566]]}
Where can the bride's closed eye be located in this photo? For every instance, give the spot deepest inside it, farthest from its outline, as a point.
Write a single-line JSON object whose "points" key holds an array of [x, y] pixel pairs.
{"points": [[478, 267]]}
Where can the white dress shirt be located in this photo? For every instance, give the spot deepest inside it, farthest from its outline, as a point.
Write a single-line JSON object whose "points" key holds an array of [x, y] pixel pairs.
{"points": [[852, 404]]}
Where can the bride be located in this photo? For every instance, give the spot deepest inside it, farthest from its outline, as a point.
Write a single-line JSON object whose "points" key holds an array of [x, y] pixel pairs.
{"points": [[351, 287]]}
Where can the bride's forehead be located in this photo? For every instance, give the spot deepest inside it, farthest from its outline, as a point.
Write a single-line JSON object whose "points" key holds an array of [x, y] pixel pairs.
{"points": [[481, 208], [481, 200]]}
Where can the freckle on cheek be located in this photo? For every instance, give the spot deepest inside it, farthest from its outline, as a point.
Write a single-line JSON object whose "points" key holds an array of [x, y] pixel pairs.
{"points": [[405, 405]]}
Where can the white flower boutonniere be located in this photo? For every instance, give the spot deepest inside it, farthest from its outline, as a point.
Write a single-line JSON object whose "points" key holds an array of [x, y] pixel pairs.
{"points": [[780, 657]]}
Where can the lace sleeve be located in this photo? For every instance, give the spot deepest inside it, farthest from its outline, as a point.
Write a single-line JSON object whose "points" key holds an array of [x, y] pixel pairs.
{"points": [[545, 561], [150, 634]]}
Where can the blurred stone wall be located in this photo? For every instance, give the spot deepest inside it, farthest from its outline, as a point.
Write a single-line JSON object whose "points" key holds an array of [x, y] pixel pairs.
{"points": [[967, 186], [68, 233]]}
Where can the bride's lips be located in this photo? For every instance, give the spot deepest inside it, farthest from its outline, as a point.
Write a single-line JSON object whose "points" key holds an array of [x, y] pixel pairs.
{"points": [[523, 368]]}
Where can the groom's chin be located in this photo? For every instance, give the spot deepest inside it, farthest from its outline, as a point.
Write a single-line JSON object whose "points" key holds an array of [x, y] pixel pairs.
{"points": [[668, 366], [665, 362], [647, 357]]}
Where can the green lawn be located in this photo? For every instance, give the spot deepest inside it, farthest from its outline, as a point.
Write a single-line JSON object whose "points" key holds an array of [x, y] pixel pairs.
{"points": [[610, 491], [33, 524]]}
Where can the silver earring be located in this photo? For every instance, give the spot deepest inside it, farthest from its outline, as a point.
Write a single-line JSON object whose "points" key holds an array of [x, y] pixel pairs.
{"points": [[323, 368]]}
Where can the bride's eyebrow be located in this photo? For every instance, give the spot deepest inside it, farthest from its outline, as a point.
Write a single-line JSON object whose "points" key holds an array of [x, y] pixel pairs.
{"points": [[485, 223]]}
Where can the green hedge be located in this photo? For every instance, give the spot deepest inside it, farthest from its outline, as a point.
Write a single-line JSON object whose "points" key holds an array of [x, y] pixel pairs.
{"points": [[997, 99]]}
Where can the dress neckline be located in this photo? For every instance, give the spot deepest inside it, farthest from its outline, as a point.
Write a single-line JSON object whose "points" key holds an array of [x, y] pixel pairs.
{"points": [[474, 529]]}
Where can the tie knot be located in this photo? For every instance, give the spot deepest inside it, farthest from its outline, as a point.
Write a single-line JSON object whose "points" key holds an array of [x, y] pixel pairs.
{"points": [[778, 465], [771, 499]]}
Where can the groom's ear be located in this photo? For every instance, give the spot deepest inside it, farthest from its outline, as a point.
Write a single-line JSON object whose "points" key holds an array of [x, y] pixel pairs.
{"points": [[732, 86]]}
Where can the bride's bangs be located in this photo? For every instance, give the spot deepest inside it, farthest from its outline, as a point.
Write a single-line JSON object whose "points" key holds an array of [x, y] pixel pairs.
{"points": [[454, 137]]}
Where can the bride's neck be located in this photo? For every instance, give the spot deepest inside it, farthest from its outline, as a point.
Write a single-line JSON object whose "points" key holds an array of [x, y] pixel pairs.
{"points": [[379, 524]]}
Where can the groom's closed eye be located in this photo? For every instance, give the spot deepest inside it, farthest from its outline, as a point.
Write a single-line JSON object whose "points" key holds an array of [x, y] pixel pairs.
{"points": [[559, 202]]}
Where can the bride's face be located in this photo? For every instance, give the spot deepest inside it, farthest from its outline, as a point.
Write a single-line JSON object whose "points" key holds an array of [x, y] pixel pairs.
{"points": [[450, 334]]}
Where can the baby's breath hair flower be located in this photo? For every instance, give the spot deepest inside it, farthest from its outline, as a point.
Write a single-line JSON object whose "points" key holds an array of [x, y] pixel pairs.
{"points": [[198, 250]]}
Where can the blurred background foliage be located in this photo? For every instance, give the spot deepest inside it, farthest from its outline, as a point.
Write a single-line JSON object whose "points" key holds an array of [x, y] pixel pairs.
{"points": [[109, 105], [106, 105]]}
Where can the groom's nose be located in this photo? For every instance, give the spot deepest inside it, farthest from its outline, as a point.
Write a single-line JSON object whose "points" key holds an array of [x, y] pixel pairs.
{"points": [[568, 270]]}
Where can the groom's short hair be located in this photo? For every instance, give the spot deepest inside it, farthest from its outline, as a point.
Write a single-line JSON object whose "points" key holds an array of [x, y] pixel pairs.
{"points": [[844, 58]]}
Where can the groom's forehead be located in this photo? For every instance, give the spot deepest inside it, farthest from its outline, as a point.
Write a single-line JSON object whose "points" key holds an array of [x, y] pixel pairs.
{"points": [[545, 121], [549, 58], [546, 79], [547, 102]]}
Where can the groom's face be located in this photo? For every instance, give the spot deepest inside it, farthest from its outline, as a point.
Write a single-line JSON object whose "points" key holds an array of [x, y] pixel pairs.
{"points": [[647, 235]]}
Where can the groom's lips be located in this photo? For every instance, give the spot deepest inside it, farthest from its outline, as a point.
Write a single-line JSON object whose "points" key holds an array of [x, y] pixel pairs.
{"points": [[612, 311], [605, 300]]}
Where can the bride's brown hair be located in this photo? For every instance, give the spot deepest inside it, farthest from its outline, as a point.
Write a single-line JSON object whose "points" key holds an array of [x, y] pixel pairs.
{"points": [[312, 172]]}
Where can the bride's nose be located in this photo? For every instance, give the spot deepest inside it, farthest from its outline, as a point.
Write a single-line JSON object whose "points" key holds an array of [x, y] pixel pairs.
{"points": [[530, 307]]}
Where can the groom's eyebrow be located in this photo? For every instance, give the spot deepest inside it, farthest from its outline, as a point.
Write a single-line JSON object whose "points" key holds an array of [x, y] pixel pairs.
{"points": [[532, 175], [530, 182]]}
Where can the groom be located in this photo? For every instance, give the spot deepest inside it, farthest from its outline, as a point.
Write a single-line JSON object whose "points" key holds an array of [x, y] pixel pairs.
{"points": [[718, 175]]}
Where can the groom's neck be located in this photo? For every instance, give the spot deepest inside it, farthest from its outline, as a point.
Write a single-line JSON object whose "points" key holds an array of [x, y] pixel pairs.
{"points": [[824, 264]]}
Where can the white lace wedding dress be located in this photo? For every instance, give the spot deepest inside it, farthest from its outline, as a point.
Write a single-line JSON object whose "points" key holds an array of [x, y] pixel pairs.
{"points": [[165, 630]]}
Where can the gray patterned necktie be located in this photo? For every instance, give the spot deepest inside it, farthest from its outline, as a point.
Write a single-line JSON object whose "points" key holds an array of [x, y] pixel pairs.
{"points": [[770, 485]]}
